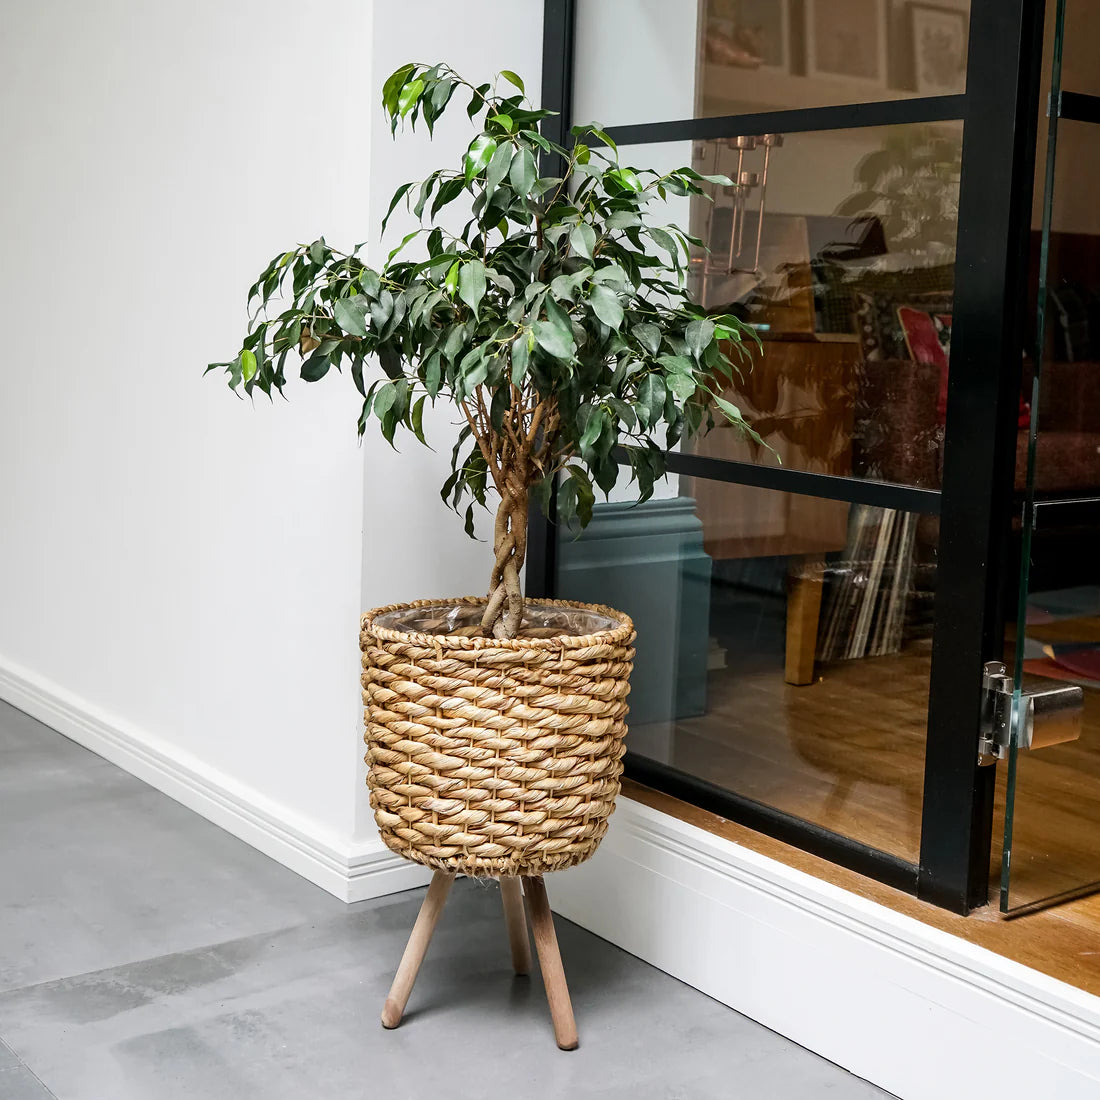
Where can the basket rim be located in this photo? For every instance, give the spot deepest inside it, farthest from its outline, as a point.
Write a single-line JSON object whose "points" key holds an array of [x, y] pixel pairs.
{"points": [[620, 634]]}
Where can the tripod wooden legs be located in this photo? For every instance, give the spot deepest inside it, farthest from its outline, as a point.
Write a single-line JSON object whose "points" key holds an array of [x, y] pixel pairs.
{"points": [[553, 973], [512, 893], [416, 948], [546, 943]]}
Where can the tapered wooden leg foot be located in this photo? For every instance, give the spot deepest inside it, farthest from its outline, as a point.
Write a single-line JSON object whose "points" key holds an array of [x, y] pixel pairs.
{"points": [[416, 948], [512, 894], [553, 973]]}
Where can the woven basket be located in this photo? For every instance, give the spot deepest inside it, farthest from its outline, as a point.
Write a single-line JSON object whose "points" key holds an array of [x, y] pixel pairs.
{"points": [[493, 757]]}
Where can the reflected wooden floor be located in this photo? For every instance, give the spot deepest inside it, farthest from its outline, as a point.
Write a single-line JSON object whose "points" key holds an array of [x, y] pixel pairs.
{"points": [[846, 752]]}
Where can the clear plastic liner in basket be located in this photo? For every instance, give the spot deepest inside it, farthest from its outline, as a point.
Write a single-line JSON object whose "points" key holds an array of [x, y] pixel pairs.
{"points": [[464, 620]]}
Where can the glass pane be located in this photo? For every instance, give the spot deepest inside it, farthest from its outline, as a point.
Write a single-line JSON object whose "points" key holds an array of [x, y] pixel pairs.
{"points": [[839, 247], [702, 58], [783, 646], [1053, 793], [1080, 72]]}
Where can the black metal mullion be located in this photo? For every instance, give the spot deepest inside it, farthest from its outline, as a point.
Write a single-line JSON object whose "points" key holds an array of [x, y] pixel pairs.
{"points": [[851, 490], [979, 457], [1079, 107], [848, 116]]}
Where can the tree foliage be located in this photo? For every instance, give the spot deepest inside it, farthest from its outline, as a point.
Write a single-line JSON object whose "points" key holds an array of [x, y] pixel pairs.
{"points": [[556, 320]]}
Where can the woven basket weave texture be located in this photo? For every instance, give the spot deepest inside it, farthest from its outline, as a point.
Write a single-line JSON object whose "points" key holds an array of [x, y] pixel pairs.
{"points": [[495, 757]]}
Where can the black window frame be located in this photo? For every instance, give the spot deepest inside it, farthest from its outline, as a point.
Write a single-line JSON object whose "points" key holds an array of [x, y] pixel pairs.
{"points": [[999, 112]]}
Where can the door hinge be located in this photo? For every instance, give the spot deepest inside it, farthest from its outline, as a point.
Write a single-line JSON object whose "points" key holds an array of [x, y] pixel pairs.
{"points": [[996, 728], [1046, 712]]}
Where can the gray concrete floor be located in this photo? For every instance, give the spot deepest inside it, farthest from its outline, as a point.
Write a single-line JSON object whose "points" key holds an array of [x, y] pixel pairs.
{"points": [[147, 955]]}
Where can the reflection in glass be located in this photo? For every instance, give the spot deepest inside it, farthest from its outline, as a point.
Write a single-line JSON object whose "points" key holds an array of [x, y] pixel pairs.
{"points": [[728, 57], [839, 247], [1055, 807], [783, 646]]}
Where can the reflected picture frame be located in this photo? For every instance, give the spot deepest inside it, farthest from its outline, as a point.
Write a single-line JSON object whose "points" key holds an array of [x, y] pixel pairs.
{"points": [[772, 17], [941, 39], [846, 40]]}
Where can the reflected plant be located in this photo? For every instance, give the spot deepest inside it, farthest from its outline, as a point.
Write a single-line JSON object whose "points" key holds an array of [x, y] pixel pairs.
{"points": [[911, 186], [556, 320]]}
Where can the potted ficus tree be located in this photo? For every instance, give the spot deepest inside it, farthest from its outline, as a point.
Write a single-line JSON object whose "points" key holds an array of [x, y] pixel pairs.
{"points": [[555, 321]]}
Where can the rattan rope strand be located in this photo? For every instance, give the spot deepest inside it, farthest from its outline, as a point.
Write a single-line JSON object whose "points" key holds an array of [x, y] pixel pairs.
{"points": [[495, 756]]}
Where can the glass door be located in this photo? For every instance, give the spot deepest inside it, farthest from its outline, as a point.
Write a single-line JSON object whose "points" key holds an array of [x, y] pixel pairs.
{"points": [[1049, 697]]}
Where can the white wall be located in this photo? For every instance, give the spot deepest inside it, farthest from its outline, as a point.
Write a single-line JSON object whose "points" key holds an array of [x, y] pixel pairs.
{"points": [[184, 563], [181, 573]]}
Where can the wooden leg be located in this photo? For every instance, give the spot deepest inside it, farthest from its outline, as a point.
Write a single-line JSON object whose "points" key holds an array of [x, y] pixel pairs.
{"points": [[553, 973], [806, 585], [416, 948], [512, 893]]}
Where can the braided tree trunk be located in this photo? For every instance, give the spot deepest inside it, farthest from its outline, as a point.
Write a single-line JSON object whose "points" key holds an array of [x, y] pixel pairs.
{"points": [[504, 613]]}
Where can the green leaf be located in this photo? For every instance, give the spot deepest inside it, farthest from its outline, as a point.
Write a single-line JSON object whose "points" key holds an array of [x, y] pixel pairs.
{"points": [[432, 374], [513, 79], [555, 334], [478, 155], [651, 399], [625, 178], [583, 240], [731, 410], [451, 280], [398, 195], [698, 335], [606, 306], [383, 400], [248, 365], [351, 314], [553, 340], [448, 192], [315, 367], [404, 241], [370, 282], [392, 88], [593, 426], [471, 284], [498, 168], [521, 354], [676, 364], [683, 385], [418, 420], [503, 121], [317, 251], [665, 240], [408, 96], [649, 336], [523, 171], [623, 219], [586, 498]]}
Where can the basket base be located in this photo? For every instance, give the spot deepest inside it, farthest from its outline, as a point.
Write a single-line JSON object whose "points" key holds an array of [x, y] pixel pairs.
{"points": [[546, 944], [475, 867]]}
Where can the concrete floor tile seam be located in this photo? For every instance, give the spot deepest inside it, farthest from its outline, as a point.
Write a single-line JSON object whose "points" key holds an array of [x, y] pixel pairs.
{"points": [[11, 1063]]}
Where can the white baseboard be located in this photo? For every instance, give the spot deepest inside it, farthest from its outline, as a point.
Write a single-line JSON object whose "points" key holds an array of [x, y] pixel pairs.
{"points": [[352, 871], [919, 1012]]}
